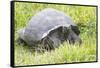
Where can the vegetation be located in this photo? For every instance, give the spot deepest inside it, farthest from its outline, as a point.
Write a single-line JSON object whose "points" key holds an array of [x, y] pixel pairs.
{"points": [[83, 16]]}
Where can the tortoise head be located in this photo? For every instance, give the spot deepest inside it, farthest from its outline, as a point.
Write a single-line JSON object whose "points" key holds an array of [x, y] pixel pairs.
{"points": [[73, 37]]}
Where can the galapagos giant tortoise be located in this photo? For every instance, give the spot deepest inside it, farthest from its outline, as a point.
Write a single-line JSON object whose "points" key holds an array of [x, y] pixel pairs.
{"points": [[49, 27]]}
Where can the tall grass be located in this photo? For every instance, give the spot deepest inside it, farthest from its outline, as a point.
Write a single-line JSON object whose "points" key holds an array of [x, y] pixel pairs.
{"points": [[84, 17]]}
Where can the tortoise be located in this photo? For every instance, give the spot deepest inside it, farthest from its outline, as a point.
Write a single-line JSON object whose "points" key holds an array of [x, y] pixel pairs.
{"points": [[50, 28]]}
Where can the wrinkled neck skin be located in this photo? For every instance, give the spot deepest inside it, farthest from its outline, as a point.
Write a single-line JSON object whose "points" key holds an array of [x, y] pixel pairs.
{"points": [[73, 38]]}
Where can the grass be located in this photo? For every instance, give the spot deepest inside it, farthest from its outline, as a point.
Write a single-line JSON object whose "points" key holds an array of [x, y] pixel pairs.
{"points": [[64, 54], [84, 17]]}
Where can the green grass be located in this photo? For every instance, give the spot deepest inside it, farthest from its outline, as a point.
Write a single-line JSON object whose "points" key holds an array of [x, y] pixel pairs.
{"points": [[64, 54], [84, 17]]}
